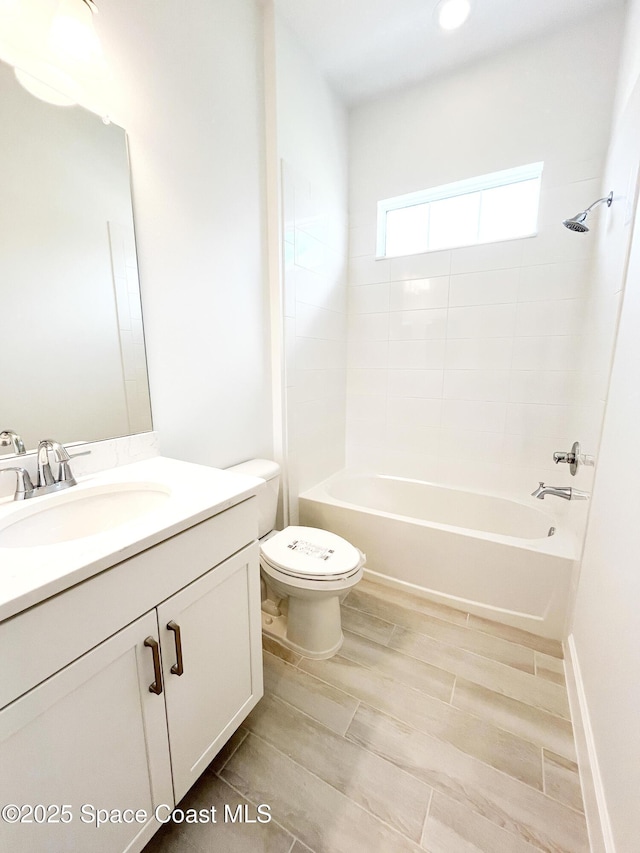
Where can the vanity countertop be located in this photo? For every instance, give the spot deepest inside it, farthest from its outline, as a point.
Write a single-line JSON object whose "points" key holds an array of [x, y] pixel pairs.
{"points": [[30, 574]]}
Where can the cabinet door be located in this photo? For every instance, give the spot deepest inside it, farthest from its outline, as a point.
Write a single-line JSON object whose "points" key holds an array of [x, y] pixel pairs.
{"points": [[220, 635], [94, 736]]}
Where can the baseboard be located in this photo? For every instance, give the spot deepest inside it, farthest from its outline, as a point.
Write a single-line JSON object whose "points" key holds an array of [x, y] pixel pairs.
{"points": [[595, 805]]}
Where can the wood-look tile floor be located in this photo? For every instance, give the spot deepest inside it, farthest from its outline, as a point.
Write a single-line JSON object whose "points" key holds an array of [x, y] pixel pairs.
{"points": [[431, 730]]}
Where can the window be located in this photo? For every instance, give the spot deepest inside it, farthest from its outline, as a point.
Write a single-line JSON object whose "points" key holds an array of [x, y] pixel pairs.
{"points": [[500, 206]]}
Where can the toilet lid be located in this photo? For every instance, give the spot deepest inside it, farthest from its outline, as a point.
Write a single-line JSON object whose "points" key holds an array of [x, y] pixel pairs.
{"points": [[310, 552]]}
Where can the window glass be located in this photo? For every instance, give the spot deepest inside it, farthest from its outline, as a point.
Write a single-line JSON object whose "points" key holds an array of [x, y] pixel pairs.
{"points": [[407, 230], [508, 212], [485, 209], [454, 221]]}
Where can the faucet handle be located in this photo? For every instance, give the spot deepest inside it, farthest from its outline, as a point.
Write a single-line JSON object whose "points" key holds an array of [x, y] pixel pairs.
{"points": [[63, 457], [23, 484], [571, 457], [10, 437]]}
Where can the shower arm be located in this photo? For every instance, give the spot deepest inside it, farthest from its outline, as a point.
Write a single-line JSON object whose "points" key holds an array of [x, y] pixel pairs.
{"points": [[607, 198]]}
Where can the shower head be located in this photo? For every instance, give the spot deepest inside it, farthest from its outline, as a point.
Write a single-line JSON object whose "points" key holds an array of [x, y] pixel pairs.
{"points": [[577, 222]]}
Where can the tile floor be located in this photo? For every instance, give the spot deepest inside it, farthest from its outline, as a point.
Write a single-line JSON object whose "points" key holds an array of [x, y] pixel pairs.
{"points": [[431, 731]]}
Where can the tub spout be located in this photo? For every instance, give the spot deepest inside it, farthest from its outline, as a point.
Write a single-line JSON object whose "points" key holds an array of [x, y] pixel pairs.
{"points": [[566, 492]]}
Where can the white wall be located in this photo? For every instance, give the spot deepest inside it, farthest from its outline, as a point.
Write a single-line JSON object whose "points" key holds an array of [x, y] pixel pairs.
{"points": [[463, 365], [605, 637], [312, 151], [188, 87]]}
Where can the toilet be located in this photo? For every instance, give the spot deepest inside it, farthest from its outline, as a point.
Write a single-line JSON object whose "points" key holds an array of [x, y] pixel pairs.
{"points": [[305, 573]]}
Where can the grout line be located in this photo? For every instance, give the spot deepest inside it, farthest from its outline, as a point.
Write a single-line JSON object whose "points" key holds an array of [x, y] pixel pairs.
{"points": [[355, 711], [477, 716], [421, 732], [255, 803], [355, 803], [453, 689], [467, 623], [426, 818]]}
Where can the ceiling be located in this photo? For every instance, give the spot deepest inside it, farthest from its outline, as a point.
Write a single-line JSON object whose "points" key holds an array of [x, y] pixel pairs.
{"points": [[367, 47]]}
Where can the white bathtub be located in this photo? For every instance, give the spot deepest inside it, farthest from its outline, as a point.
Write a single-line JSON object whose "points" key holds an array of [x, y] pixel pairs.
{"points": [[485, 555]]}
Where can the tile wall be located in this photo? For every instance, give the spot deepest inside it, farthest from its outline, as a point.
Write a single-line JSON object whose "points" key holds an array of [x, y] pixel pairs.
{"points": [[315, 311], [464, 366]]}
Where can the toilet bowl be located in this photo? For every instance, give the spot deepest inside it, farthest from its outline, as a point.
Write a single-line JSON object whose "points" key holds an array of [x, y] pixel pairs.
{"points": [[306, 572]]}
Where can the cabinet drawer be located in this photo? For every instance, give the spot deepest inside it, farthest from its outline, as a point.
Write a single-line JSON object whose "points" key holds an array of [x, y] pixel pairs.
{"points": [[43, 639]]}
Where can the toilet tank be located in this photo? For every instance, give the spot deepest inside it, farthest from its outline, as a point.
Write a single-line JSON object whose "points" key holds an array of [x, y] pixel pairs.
{"points": [[268, 494]]}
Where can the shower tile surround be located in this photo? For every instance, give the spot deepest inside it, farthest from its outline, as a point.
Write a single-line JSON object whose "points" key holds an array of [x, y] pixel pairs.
{"points": [[464, 366], [315, 333], [430, 730]]}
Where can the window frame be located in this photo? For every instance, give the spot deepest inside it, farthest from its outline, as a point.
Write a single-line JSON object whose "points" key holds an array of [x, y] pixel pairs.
{"points": [[493, 180]]}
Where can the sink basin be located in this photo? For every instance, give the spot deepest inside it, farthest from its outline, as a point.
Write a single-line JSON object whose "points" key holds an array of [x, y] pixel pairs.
{"points": [[75, 515]]}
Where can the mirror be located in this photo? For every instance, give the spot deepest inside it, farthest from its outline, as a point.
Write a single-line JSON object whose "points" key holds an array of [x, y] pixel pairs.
{"points": [[72, 357]]}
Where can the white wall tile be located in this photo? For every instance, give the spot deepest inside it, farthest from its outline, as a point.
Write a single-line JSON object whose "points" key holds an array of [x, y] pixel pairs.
{"points": [[366, 381], [428, 265], [420, 355], [534, 450], [367, 270], [370, 432], [362, 241], [418, 325], [367, 407], [483, 288], [367, 354], [369, 299], [309, 385], [536, 419], [369, 327], [547, 353], [488, 385], [482, 321], [548, 387], [482, 416], [490, 256], [412, 437], [568, 280], [313, 288], [556, 244], [314, 322], [562, 317], [419, 293], [471, 444], [418, 410], [415, 383], [479, 354]]}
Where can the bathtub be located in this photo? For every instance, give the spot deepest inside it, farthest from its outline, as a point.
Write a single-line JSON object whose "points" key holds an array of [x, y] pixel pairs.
{"points": [[501, 559]]}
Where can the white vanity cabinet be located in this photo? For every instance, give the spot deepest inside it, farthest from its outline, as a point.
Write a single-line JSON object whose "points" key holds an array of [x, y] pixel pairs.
{"points": [[182, 618]]}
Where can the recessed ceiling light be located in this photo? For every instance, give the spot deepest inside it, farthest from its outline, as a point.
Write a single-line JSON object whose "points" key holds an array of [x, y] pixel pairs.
{"points": [[453, 13]]}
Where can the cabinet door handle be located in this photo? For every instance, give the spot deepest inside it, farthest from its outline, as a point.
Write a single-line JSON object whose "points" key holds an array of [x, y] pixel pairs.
{"points": [[177, 668], [155, 686]]}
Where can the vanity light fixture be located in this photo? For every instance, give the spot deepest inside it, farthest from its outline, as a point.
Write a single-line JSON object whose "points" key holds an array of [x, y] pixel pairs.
{"points": [[452, 14], [53, 47]]}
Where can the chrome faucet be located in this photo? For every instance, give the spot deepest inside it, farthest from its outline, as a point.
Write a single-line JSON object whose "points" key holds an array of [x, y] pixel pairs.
{"points": [[45, 480], [566, 492], [9, 437]]}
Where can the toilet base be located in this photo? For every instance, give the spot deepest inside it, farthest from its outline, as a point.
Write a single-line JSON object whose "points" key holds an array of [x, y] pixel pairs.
{"points": [[275, 627]]}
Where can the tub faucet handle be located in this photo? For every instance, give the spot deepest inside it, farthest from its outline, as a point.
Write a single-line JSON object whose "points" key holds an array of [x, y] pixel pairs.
{"points": [[571, 457]]}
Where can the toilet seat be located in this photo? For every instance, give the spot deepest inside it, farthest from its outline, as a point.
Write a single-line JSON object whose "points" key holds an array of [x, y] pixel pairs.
{"points": [[310, 554]]}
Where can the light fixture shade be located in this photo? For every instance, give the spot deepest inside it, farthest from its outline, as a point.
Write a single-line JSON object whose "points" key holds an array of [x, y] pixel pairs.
{"points": [[453, 13], [53, 46]]}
